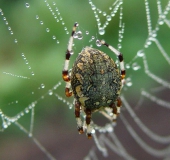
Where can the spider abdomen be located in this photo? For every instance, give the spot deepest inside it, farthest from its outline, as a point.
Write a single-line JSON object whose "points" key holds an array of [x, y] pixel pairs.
{"points": [[95, 79]]}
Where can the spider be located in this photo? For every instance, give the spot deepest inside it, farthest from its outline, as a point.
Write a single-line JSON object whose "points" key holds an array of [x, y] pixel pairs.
{"points": [[95, 81]]}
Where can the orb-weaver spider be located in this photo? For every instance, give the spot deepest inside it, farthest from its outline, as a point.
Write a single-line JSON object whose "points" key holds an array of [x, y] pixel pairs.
{"points": [[94, 80]]}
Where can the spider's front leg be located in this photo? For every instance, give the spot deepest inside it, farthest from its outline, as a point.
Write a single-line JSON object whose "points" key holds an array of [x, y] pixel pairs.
{"points": [[120, 57], [66, 78], [65, 72]]}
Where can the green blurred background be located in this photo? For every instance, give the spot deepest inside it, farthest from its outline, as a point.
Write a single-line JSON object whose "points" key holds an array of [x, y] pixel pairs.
{"points": [[54, 123]]}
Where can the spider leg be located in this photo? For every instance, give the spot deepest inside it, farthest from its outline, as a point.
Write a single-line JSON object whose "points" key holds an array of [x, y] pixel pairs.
{"points": [[120, 56], [119, 104], [88, 120], [65, 72], [68, 91], [114, 111], [78, 119]]}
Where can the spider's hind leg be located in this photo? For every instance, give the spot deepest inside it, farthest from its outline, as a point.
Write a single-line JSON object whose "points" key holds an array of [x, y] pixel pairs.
{"points": [[119, 104], [88, 120], [114, 111], [116, 108], [78, 119]]}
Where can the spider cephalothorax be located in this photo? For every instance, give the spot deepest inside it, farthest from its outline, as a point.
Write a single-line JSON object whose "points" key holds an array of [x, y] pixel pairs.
{"points": [[95, 81]]}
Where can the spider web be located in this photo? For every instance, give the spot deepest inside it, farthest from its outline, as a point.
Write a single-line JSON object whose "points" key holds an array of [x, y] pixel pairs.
{"points": [[37, 121]]}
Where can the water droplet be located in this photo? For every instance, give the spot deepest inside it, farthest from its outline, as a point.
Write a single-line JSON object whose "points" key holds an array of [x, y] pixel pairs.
{"points": [[54, 37], [92, 37], [47, 30], [140, 53], [54, 3], [4, 18], [109, 18], [9, 28], [93, 131], [104, 14], [154, 34], [109, 128], [6, 22], [57, 42], [78, 35], [75, 35], [87, 32], [42, 85], [101, 31], [26, 62], [112, 14], [148, 42], [22, 113], [50, 92], [15, 41], [70, 106], [99, 24], [135, 66], [119, 46], [71, 52], [5, 125], [98, 43], [127, 66], [128, 82], [37, 17], [26, 110], [106, 23], [27, 5], [30, 135], [2, 13], [93, 7], [41, 22], [42, 97], [11, 32], [161, 22], [32, 73], [30, 106]]}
